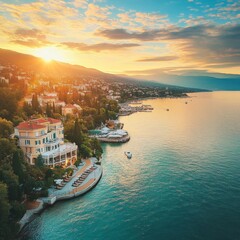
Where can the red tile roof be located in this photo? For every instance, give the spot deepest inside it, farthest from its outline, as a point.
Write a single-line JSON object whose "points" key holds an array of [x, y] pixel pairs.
{"points": [[53, 120], [40, 120], [29, 126], [37, 123]]}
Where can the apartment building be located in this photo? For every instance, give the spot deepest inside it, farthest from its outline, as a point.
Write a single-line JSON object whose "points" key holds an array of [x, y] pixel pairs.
{"points": [[45, 136]]}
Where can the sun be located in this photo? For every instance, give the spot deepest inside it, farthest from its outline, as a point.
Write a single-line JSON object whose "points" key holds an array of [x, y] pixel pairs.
{"points": [[49, 53]]}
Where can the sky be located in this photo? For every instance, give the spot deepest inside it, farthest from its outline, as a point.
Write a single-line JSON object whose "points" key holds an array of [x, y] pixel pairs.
{"points": [[130, 37]]}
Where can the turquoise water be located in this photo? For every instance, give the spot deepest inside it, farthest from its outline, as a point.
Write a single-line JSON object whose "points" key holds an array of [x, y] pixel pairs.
{"points": [[181, 184], [94, 132]]}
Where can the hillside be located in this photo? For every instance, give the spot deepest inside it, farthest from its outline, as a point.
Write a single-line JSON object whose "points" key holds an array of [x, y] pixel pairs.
{"points": [[217, 82], [30, 63], [57, 70]]}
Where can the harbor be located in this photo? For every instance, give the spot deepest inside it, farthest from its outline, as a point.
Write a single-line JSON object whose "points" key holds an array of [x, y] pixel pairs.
{"points": [[129, 108], [112, 132]]}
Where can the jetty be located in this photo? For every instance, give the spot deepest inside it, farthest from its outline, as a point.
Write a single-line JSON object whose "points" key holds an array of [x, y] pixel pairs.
{"points": [[126, 109], [108, 135]]}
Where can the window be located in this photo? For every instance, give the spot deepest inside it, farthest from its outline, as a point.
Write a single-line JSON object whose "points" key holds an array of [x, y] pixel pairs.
{"points": [[44, 140], [27, 142], [54, 135]]}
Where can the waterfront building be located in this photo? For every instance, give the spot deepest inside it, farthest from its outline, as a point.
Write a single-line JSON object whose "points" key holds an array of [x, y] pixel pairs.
{"points": [[44, 99], [72, 109], [45, 136]]}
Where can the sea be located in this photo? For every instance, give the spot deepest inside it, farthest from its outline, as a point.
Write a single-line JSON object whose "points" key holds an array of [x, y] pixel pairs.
{"points": [[182, 182]]}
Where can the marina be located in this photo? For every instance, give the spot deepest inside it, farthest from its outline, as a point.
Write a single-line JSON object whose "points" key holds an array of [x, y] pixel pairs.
{"points": [[114, 134], [133, 107]]}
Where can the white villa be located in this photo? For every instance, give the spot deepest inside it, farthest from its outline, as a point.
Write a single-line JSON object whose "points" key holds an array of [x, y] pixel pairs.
{"points": [[71, 109], [45, 136]]}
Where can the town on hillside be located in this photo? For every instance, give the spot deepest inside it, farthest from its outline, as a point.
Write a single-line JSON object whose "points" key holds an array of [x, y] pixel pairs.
{"points": [[50, 134]]}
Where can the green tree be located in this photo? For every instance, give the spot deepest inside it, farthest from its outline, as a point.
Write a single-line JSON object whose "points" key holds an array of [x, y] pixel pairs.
{"points": [[17, 164], [18, 210], [27, 109], [6, 128], [48, 110], [7, 176], [96, 148], [7, 147], [4, 212], [78, 136], [8, 103], [35, 103], [53, 108], [85, 151], [39, 161]]}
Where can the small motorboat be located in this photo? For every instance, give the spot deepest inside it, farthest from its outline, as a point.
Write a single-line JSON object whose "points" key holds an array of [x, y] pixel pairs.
{"points": [[128, 154]]}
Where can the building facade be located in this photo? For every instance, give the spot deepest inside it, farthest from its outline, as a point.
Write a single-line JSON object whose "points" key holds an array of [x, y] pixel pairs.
{"points": [[45, 136], [72, 109]]}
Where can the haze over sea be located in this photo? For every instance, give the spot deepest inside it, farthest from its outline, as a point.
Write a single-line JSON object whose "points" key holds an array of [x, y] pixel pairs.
{"points": [[181, 184]]}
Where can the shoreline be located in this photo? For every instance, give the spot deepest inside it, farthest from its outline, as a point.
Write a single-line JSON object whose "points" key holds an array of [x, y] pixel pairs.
{"points": [[44, 203], [149, 98], [113, 140]]}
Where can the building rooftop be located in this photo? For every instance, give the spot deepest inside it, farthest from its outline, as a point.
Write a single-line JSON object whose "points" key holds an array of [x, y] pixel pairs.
{"points": [[29, 126], [36, 123], [64, 148]]}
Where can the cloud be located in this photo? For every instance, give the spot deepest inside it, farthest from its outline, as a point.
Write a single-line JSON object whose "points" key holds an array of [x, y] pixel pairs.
{"points": [[120, 34], [30, 33], [158, 59], [29, 37], [80, 3], [156, 34], [99, 46], [200, 43]]}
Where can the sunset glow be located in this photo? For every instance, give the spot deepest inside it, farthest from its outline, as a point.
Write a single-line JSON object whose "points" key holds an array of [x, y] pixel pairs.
{"points": [[48, 54], [145, 40]]}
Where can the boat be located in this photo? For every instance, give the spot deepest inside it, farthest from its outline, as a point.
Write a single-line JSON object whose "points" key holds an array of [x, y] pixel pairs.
{"points": [[128, 154]]}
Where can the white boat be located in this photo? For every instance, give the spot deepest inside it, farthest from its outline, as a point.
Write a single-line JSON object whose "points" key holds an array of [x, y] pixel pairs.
{"points": [[128, 154]]}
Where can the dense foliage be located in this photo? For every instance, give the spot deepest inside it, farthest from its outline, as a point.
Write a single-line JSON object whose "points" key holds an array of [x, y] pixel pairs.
{"points": [[20, 182]]}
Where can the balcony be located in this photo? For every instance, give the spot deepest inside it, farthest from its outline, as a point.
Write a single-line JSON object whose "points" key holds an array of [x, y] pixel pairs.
{"points": [[65, 150], [53, 141]]}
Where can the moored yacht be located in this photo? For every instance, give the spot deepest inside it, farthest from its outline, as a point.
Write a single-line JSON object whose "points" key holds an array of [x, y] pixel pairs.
{"points": [[128, 154]]}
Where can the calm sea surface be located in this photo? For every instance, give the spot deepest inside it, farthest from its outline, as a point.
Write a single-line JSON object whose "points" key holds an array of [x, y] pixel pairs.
{"points": [[183, 182]]}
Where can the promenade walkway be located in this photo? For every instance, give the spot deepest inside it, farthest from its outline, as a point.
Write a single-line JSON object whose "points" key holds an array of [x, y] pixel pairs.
{"points": [[68, 190]]}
